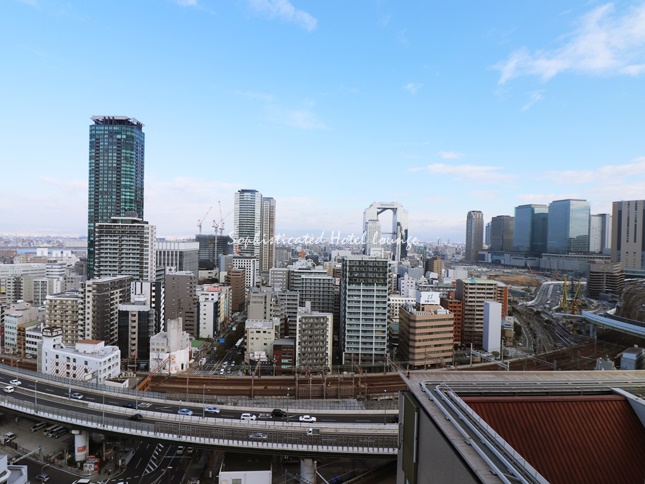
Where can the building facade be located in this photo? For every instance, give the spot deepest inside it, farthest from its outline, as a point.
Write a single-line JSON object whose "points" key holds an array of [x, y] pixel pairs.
{"points": [[425, 335], [363, 309], [530, 228], [314, 340], [501, 233], [116, 171], [267, 250], [180, 299], [628, 234], [180, 255]]}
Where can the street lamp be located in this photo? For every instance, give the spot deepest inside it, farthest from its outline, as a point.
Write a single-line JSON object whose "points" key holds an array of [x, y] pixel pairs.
{"points": [[288, 389]]}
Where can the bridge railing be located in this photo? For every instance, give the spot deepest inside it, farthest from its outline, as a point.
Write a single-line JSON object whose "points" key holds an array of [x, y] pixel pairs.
{"points": [[227, 433]]}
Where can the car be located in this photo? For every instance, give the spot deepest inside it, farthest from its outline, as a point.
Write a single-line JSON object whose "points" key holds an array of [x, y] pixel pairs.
{"points": [[307, 418], [15, 382], [77, 396], [9, 436], [189, 450], [136, 417], [258, 436], [180, 450], [185, 411], [9, 389], [211, 409], [248, 416], [131, 405], [277, 413], [42, 477], [84, 480]]}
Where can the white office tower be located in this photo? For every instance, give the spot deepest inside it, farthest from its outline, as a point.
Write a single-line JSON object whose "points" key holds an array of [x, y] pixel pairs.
{"points": [[394, 303], [209, 311], [279, 278], [125, 247], [170, 349], [180, 255], [63, 310], [393, 240], [363, 309], [314, 340], [492, 338], [267, 252], [250, 266], [407, 285], [627, 235]]}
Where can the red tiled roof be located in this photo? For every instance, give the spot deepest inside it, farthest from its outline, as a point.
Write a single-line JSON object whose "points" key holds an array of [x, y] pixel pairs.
{"points": [[577, 439]]}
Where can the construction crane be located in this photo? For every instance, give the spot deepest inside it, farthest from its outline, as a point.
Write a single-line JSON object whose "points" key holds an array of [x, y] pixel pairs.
{"points": [[219, 226], [199, 222]]}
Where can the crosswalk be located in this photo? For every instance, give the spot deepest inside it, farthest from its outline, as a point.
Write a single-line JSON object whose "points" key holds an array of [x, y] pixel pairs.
{"points": [[154, 459]]}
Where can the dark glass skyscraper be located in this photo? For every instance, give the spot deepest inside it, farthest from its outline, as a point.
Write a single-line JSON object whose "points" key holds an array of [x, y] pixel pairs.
{"points": [[530, 232], [115, 175]]}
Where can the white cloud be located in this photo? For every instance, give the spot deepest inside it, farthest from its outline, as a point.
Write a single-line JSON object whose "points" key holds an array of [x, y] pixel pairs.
{"points": [[471, 173], [535, 97], [413, 87], [450, 155], [604, 42], [604, 174], [303, 118], [284, 10], [187, 3]]}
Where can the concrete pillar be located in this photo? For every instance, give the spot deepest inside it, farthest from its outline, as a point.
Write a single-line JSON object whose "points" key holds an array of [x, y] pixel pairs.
{"points": [[592, 330], [81, 438], [307, 470]]}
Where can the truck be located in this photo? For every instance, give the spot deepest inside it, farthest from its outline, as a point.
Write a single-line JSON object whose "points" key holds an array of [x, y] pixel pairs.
{"points": [[311, 431]]}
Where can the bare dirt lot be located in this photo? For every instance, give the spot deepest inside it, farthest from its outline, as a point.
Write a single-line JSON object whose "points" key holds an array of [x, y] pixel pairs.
{"points": [[516, 280]]}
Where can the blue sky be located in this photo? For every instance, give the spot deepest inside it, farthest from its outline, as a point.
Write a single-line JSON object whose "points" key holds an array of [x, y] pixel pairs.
{"points": [[327, 106]]}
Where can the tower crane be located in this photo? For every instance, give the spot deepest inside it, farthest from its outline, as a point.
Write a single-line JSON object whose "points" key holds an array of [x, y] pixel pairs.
{"points": [[199, 222], [219, 226]]}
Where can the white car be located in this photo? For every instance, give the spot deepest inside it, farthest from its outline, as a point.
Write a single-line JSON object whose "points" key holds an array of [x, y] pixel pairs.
{"points": [[248, 416], [77, 396], [211, 409], [16, 382], [9, 389], [307, 418]]}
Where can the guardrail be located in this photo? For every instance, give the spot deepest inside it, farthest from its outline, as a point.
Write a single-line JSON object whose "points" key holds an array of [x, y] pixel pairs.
{"points": [[291, 437]]}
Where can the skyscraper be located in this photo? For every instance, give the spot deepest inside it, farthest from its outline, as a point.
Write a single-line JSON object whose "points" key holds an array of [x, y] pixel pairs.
{"points": [[568, 227], [116, 174], [474, 235], [628, 234], [267, 251], [600, 233], [530, 231], [501, 233]]}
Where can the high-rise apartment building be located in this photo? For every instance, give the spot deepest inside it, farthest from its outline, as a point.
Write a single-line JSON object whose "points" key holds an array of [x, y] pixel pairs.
{"points": [[64, 311], [318, 290], [267, 250], [314, 340], [474, 235], [100, 307], [180, 299], [501, 233], [628, 234], [530, 228], [248, 223], [126, 246], [568, 227], [116, 174], [363, 309], [472, 293]]}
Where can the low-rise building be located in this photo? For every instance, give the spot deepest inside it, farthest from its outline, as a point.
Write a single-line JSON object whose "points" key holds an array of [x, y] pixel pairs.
{"points": [[87, 360], [170, 349]]}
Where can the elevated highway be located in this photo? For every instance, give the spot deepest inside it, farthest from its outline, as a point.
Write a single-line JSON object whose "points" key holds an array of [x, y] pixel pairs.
{"points": [[369, 433]]}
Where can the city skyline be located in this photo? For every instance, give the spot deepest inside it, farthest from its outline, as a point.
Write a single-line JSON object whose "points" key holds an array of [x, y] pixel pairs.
{"points": [[441, 108]]}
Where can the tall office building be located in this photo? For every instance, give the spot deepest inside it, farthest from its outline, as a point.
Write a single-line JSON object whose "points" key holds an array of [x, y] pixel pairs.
{"points": [[363, 309], [116, 174], [530, 228], [179, 255], [125, 246], [568, 228], [628, 234], [501, 233], [267, 250], [394, 240], [600, 233], [248, 223], [474, 235]]}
